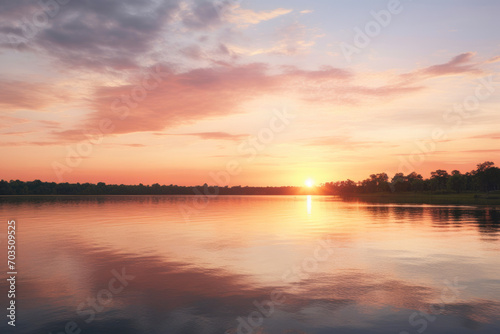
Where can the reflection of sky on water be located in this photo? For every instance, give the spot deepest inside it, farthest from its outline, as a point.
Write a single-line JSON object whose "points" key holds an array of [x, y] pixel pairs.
{"points": [[309, 204], [199, 276]]}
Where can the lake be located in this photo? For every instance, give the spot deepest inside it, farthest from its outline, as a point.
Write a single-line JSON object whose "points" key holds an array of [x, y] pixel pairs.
{"points": [[251, 264]]}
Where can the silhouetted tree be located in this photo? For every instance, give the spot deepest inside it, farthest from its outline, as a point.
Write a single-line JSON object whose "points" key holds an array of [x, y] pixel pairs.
{"points": [[439, 178], [456, 182]]}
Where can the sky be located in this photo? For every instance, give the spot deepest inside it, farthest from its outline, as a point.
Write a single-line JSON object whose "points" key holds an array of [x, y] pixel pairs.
{"points": [[255, 93]]}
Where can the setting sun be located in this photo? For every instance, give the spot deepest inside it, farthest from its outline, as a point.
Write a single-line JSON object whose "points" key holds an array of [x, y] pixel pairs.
{"points": [[309, 183]]}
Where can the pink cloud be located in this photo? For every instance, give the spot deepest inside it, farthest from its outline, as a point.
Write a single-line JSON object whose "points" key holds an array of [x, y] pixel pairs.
{"points": [[7, 121], [29, 143], [203, 93], [15, 95], [461, 64], [16, 133], [210, 135], [183, 98], [495, 135]]}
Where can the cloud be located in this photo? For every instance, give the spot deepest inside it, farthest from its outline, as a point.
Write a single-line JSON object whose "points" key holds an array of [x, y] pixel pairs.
{"points": [[131, 145], [457, 65], [210, 135], [50, 124], [493, 60], [89, 34], [16, 133], [291, 39], [193, 52], [220, 51], [30, 143], [180, 98], [295, 39], [54, 142], [15, 95], [495, 135], [461, 64], [204, 14], [203, 93], [345, 93], [113, 34], [481, 151], [183, 98], [325, 73], [8, 121], [245, 17], [217, 136], [16, 9]]}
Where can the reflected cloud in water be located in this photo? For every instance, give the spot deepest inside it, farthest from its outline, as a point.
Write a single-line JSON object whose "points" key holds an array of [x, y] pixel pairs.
{"points": [[389, 262]]}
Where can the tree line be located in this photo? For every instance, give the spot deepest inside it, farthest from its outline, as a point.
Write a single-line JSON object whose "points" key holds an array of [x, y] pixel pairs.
{"points": [[485, 178], [38, 187]]}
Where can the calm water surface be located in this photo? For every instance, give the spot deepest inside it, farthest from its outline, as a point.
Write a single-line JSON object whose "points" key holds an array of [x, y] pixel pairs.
{"points": [[252, 265]]}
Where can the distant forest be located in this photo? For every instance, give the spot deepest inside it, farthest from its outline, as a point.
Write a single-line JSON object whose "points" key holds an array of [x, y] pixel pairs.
{"points": [[485, 178]]}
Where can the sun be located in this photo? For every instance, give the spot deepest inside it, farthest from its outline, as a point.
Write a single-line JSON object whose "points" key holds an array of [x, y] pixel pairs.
{"points": [[309, 183]]}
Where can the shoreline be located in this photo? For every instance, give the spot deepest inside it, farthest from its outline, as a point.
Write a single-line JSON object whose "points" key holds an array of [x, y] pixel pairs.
{"points": [[382, 197], [423, 198]]}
